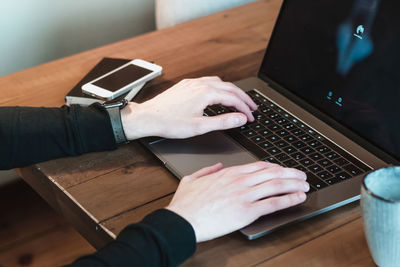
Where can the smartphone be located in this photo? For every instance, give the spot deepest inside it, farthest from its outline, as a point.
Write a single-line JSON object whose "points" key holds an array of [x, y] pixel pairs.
{"points": [[122, 79]]}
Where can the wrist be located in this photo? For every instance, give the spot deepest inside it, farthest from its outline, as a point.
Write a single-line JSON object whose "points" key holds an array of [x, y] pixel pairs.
{"points": [[132, 121]]}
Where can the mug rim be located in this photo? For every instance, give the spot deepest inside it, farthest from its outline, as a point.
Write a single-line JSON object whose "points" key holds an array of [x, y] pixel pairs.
{"points": [[372, 193]]}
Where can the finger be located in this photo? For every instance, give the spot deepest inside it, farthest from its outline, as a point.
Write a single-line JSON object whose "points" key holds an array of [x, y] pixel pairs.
{"points": [[207, 170], [221, 122], [239, 92], [270, 205], [277, 187], [274, 172], [231, 100], [210, 79], [252, 167]]}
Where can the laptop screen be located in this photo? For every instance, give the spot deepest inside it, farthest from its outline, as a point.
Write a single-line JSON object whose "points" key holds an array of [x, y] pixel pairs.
{"points": [[343, 57]]}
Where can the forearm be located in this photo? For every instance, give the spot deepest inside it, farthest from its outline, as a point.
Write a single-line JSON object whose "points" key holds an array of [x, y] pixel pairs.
{"points": [[31, 135], [163, 238]]}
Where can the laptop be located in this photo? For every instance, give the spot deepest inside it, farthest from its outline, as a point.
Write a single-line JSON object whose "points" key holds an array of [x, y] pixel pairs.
{"points": [[328, 91]]}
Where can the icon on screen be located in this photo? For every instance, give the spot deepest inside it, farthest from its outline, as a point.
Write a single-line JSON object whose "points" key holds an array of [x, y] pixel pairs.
{"points": [[339, 102], [359, 32]]}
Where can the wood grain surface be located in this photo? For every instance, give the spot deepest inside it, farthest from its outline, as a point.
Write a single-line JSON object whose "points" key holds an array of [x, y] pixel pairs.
{"points": [[101, 193]]}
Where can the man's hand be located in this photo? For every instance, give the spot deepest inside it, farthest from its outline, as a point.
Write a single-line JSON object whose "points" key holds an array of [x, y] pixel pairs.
{"points": [[178, 112], [217, 201]]}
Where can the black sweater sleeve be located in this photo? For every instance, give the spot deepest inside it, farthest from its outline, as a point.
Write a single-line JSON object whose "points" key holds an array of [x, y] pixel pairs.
{"points": [[31, 135], [162, 238]]}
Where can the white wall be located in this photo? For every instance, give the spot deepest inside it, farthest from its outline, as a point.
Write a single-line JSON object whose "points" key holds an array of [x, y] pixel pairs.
{"points": [[36, 31]]}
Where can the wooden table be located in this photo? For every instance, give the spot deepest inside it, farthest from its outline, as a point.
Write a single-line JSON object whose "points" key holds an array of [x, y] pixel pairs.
{"points": [[100, 193]]}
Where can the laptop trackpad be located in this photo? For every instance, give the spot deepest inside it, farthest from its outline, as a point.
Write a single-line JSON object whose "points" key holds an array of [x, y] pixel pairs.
{"points": [[184, 157]]}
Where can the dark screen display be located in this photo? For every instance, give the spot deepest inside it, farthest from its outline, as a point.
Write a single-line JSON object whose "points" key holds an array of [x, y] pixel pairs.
{"points": [[343, 57], [122, 77]]}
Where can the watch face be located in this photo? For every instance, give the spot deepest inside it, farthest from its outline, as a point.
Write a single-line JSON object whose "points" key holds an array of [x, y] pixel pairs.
{"points": [[121, 103]]}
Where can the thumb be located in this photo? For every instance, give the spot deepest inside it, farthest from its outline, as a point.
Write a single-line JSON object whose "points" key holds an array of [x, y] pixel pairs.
{"points": [[221, 122]]}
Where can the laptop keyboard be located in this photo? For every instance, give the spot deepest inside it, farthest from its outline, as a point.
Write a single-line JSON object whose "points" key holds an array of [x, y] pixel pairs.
{"points": [[278, 137]]}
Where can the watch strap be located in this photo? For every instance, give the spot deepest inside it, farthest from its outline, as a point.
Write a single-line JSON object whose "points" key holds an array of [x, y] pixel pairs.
{"points": [[116, 123]]}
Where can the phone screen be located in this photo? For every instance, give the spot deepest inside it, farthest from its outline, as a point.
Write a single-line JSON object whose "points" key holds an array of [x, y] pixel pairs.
{"points": [[122, 77]]}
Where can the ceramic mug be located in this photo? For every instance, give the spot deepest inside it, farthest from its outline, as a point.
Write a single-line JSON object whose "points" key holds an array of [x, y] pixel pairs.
{"points": [[380, 205]]}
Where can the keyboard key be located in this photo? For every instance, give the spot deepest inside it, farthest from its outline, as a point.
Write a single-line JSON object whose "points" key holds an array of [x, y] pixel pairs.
{"points": [[281, 144], [307, 150], [332, 155], [315, 181], [272, 138], [282, 157], [324, 175], [244, 128], [298, 156], [289, 126], [299, 144], [305, 138], [302, 125], [356, 162], [291, 139], [290, 163], [265, 145], [264, 132], [273, 151], [289, 149], [298, 132], [306, 162], [272, 160], [316, 156], [249, 133], [334, 169], [265, 121], [273, 116], [325, 163], [257, 139], [265, 110], [343, 175], [334, 180], [281, 121], [314, 143], [301, 168], [323, 149], [282, 133], [315, 168], [311, 131], [256, 126], [353, 170], [257, 115], [274, 127], [341, 161]]}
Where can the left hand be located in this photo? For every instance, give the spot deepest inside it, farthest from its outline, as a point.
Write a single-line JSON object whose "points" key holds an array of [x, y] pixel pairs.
{"points": [[178, 112]]}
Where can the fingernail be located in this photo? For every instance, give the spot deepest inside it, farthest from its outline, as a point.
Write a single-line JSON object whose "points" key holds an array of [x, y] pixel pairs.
{"points": [[301, 196], [306, 187], [239, 120]]}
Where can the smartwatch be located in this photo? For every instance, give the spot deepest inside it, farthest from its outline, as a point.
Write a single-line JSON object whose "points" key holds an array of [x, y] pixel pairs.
{"points": [[113, 108]]}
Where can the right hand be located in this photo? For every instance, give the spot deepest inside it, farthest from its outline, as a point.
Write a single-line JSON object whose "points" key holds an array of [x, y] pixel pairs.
{"points": [[178, 112], [217, 201]]}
